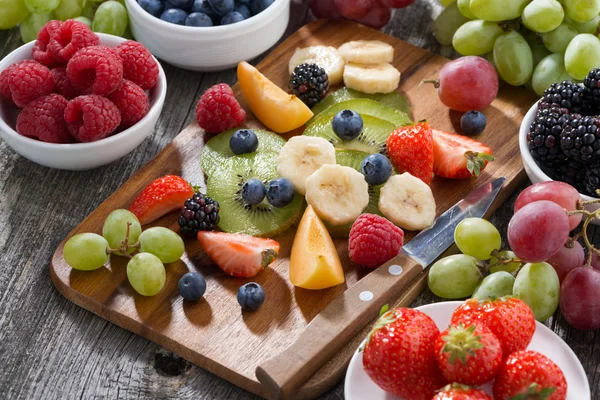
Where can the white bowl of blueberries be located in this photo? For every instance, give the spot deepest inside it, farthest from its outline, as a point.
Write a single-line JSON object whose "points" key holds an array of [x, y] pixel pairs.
{"points": [[208, 35]]}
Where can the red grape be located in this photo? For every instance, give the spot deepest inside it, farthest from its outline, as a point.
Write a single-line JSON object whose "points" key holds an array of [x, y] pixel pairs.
{"points": [[324, 9], [377, 17], [595, 261], [579, 300], [353, 9], [561, 193], [567, 259], [538, 230], [396, 3], [468, 83]]}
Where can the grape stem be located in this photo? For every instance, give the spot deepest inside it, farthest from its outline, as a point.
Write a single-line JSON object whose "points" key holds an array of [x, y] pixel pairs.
{"points": [[502, 261], [436, 82], [125, 246], [589, 217]]}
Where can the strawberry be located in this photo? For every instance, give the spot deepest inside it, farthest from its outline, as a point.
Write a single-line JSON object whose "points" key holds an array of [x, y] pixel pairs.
{"points": [[399, 356], [456, 391], [458, 157], [410, 149], [160, 197], [530, 375], [510, 319], [470, 355], [237, 254]]}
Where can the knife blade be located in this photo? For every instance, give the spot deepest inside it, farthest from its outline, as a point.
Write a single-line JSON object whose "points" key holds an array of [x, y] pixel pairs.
{"points": [[348, 313]]}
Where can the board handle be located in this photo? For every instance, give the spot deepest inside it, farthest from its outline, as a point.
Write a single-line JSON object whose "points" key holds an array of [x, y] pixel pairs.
{"points": [[335, 325]]}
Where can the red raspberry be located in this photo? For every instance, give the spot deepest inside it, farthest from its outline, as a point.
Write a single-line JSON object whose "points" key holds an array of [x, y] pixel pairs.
{"points": [[62, 84], [374, 240], [138, 64], [41, 51], [90, 118], [95, 70], [43, 119], [218, 109], [132, 102], [70, 37], [5, 83], [29, 80]]}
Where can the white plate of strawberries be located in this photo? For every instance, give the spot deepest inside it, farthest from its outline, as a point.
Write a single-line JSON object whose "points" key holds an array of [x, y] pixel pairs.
{"points": [[464, 350]]}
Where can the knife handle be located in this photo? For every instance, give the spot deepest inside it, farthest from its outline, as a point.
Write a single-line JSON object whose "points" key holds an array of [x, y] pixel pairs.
{"points": [[335, 325]]}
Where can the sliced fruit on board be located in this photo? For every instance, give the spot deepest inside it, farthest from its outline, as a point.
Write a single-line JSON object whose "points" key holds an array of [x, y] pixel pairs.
{"points": [[377, 78], [278, 110], [236, 216], [410, 149], [217, 150], [314, 261], [368, 107], [239, 255], [160, 197], [458, 157], [394, 100], [326, 57]]}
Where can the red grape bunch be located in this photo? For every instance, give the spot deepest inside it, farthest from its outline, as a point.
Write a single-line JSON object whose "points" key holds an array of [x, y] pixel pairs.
{"points": [[373, 13]]}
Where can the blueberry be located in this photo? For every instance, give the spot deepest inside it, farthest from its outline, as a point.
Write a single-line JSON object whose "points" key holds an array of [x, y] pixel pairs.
{"points": [[174, 16], [202, 6], [153, 7], [251, 296], [243, 141], [198, 19], [253, 191], [185, 5], [280, 192], [473, 122], [347, 124], [243, 9], [222, 7], [246, 2], [192, 286], [232, 18], [376, 168], [258, 6]]}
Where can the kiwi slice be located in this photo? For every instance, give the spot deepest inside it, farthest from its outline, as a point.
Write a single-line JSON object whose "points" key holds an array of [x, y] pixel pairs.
{"points": [[394, 100], [217, 151], [367, 107], [225, 184], [371, 140]]}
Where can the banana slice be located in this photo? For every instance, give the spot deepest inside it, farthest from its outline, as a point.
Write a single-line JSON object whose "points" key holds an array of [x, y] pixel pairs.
{"points": [[338, 194], [367, 52], [301, 156], [380, 78], [408, 202], [326, 57]]}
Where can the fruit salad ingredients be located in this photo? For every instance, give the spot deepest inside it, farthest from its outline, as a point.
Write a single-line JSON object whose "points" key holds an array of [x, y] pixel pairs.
{"points": [[192, 286], [376, 168], [243, 141], [239, 255], [473, 122], [163, 243], [367, 52], [253, 191], [310, 83], [251, 296], [538, 285], [62, 84], [138, 64], [568, 257], [408, 202], [28, 80], [86, 251], [347, 124], [12, 13], [111, 17], [498, 284], [132, 102], [199, 213], [454, 277], [95, 70], [218, 109], [456, 391], [280, 192], [314, 261], [117, 225], [146, 274], [326, 57], [410, 149], [582, 55], [498, 265], [371, 78], [394, 100], [43, 119], [513, 58], [67, 38], [374, 241], [161, 197], [91, 117], [458, 157], [579, 300], [477, 237], [543, 15]]}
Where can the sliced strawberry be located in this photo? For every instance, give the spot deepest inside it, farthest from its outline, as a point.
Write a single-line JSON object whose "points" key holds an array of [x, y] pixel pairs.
{"points": [[458, 157], [237, 254], [162, 196], [410, 149]]}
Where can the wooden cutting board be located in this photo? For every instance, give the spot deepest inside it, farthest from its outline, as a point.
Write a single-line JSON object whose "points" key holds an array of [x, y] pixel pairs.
{"points": [[213, 333]]}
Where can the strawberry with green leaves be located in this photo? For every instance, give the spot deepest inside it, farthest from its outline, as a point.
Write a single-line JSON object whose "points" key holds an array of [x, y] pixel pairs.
{"points": [[456, 391], [458, 157], [410, 149]]}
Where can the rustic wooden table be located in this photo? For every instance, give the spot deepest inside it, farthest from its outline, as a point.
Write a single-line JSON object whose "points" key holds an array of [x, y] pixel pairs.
{"points": [[51, 348]]}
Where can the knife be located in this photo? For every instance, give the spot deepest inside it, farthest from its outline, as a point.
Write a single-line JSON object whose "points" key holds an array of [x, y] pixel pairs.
{"points": [[348, 313]]}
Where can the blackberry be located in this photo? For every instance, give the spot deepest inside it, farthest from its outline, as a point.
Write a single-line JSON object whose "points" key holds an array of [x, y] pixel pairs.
{"points": [[544, 136], [580, 139], [592, 87], [589, 181], [568, 95], [309, 83], [200, 213], [568, 172]]}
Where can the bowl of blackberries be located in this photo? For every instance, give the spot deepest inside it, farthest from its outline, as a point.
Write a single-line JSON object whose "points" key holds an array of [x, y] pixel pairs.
{"points": [[208, 35]]}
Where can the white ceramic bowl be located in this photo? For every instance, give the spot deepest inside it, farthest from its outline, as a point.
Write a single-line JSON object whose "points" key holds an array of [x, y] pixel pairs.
{"points": [[209, 48], [80, 156]]}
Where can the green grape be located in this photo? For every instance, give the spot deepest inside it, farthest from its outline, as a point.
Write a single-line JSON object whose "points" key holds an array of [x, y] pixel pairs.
{"points": [[12, 12], [446, 3], [538, 50], [463, 7], [506, 255], [454, 277], [30, 28], [146, 273], [584, 27], [85, 20], [163, 243], [543, 15], [582, 55], [477, 238], [68, 9], [538, 286], [497, 285], [475, 38], [86, 251], [110, 17], [582, 10], [550, 70], [41, 6], [513, 58], [88, 10], [446, 24], [498, 10], [115, 228], [557, 40], [128, 35]]}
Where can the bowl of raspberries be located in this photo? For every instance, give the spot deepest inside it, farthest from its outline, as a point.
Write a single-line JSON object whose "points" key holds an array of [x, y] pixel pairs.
{"points": [[74, 99]]}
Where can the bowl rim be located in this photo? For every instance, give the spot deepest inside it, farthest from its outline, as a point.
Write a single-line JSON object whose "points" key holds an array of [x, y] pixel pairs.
{"points": [[526, 154], [154, 108], [259, 18]]}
